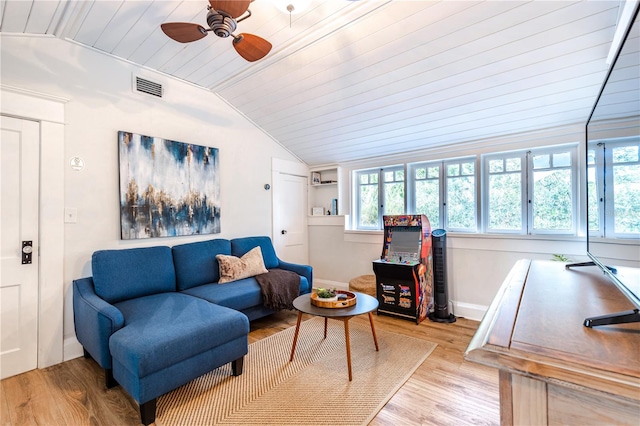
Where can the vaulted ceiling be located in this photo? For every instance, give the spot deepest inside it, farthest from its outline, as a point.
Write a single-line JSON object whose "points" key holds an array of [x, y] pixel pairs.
{"points": [[348, 80]]}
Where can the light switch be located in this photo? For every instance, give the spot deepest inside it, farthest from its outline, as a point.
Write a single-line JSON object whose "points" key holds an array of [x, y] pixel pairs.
{"points": [[70, 215]]}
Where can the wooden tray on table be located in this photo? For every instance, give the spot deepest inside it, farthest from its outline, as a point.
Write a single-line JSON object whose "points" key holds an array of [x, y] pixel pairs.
{"points": [[344, 303]]}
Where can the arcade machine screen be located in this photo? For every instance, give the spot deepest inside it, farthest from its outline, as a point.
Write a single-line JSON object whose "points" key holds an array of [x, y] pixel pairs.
{"points": [[405, 245]]}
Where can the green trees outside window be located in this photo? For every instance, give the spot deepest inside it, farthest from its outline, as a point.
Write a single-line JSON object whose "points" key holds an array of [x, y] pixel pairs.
{"points": [[505, 194], [552, 201], [613, 177], [523, 192]]}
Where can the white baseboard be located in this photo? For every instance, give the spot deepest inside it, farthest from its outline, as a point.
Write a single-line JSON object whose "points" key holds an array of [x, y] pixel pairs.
{"points": [[460, 309], [72, 348], [469, 310], [330, 284]]}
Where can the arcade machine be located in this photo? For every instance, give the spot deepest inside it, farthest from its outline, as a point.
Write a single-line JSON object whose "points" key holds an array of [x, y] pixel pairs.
{"points": [[404, 273]]}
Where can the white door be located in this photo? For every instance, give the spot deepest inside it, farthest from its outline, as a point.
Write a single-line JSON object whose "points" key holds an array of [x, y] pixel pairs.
{"points": [[290, 217], [19, 178]]}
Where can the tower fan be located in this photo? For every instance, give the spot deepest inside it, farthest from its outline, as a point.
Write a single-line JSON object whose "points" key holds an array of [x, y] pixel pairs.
{"points": [[441, 294]]}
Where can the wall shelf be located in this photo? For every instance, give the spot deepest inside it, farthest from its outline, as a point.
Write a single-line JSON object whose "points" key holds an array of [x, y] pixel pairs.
{"points": [[326, 220], [322, 194]]}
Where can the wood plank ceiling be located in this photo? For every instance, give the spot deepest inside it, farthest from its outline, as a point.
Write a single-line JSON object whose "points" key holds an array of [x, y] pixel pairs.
{"points": [[348, 80]]}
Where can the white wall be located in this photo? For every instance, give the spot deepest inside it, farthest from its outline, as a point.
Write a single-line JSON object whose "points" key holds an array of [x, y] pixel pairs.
{"points": [[101, 103]]}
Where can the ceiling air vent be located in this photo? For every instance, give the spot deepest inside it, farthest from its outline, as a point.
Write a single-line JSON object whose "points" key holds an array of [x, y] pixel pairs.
{"points": [[143, 85]]}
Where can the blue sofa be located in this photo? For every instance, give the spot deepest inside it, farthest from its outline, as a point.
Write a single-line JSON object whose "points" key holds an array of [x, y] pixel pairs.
{"points": [[156, 318]]}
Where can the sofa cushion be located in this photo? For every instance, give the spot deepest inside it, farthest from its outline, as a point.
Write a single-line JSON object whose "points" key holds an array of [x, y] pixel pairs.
{"points": [[239, 295], [126, 274], [196, 263], [240, 246], [166, 328], [234, 268]]}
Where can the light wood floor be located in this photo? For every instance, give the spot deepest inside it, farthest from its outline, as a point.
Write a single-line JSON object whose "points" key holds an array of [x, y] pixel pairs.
{"points": [[444, 390]]}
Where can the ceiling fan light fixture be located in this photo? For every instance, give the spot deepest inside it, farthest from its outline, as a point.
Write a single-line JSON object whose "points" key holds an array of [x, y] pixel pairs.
{"points": [[222, 19], [291, 7], [221, 23]]}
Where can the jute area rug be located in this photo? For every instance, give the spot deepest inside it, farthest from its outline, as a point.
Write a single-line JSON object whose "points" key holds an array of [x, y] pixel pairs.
{"points": [[313, 389]]}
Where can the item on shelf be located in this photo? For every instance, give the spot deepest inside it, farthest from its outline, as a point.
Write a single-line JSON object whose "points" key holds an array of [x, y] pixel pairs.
{"points": [[334, 206], [315, 178], [317, 211]]}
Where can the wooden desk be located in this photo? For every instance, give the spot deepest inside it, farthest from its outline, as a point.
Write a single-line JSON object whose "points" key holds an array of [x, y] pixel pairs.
{"points": [[553, 370]]}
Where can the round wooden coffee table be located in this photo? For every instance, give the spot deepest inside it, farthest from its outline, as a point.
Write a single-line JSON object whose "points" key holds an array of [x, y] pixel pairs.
{"points": [[365, 304]]}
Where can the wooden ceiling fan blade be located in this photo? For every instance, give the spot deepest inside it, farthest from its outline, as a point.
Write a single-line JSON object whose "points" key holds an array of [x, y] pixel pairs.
{"points": [[184, 32], [251, 47], [234, 8]]}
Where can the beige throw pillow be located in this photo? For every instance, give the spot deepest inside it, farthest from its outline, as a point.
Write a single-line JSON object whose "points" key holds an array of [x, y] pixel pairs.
{"points": [[235, 268]]}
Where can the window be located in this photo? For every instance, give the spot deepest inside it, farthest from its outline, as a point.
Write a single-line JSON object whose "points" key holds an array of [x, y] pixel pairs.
{"points": [[367, 200], [552, 195], [593, 190], [531, 192], [625, 184], [523, 192], [506, 187], [614, 188], [379, 192], [424, 195], [445, 192], [460, 204], [393, 191]]}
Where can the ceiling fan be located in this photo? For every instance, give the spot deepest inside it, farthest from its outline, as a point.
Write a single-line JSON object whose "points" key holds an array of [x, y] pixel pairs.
{"points": [[222, 20]]}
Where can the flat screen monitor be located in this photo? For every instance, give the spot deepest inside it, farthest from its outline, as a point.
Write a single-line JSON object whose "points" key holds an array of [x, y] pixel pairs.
{"points": [[612, 137]]}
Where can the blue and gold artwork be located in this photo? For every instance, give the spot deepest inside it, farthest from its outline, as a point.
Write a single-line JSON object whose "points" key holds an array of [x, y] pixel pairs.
{"points": [[167, 188]]}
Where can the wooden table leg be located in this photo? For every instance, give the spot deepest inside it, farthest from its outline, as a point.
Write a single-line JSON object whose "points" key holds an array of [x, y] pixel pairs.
{"points": [[348, 345], [295, 336], [325, 326], [373, 331]]}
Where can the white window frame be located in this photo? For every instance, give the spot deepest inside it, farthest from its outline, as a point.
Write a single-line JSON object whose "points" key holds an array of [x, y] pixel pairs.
{"points": [[604, 183], [481, 193], [527, 202], [573, 150], [486, 174], [381, 193], [476, 207], [411, 189], [357, 206], [598, 147]]}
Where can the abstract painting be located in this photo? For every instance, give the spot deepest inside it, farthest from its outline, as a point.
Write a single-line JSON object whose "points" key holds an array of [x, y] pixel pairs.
{"points": [[167, 188]]}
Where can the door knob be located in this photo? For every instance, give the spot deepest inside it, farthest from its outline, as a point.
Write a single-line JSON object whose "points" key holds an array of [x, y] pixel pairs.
{"points": [[284, 231], [27, 250]]}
